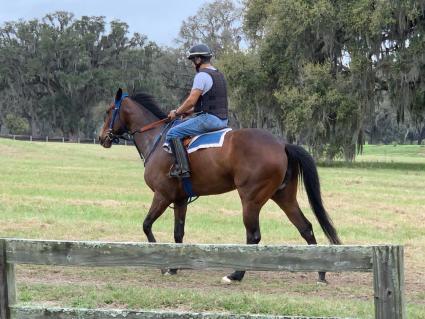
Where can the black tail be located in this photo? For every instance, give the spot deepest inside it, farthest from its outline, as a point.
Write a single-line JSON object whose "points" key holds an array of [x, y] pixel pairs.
{"points": [[308, 172]]}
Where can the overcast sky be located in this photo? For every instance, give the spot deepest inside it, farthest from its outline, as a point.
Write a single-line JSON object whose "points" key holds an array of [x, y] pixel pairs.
{"points": [[160, 20]]}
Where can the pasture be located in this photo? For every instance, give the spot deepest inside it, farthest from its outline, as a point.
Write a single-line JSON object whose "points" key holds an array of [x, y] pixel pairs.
{"points": [[84, 192]]}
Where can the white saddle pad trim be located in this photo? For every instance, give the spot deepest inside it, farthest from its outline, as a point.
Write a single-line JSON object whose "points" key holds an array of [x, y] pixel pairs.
{"points": [[219, 144]]}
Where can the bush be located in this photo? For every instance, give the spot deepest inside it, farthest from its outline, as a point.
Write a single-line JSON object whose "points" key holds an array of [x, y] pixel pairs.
{"points": [[16, 124]]}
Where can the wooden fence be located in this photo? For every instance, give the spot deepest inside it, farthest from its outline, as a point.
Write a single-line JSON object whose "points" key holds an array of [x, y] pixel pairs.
{"points": [[57, 139], [386, 262]]}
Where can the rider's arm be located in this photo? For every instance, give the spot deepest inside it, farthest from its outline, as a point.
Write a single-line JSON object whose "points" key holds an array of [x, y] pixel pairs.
{"points": [[188, 104], [190, 111]]}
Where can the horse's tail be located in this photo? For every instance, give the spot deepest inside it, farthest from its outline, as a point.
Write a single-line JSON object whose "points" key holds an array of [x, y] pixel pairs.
{"points": [[308, 172]]}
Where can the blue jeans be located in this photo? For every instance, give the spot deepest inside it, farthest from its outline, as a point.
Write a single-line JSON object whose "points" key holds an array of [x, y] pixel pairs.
{"points": [[200, 124]]}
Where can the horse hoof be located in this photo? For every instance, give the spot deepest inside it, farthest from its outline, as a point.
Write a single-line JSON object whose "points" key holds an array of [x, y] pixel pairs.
{"points": [[227, 281], [169, 272], [323, 282]]}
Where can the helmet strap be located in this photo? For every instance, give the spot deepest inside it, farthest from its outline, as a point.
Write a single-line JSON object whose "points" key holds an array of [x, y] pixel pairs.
{"points": [[198, 65]]}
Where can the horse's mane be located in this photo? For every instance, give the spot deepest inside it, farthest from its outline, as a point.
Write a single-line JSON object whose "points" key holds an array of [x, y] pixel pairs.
{"points": [[149, 102]]}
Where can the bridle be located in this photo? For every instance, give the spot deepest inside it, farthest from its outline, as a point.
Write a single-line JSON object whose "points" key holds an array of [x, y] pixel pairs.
{"points": [[115, 138]]}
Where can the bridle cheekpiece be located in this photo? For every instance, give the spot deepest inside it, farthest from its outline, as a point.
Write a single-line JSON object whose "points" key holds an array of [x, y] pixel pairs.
{"points": [[114, 137]]}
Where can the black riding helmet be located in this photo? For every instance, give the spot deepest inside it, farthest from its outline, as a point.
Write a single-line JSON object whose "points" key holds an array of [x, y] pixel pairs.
{"points": [[199, 50], [202, 51]]}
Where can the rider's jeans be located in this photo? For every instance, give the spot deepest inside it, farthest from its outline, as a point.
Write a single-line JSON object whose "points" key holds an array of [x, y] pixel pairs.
{"points": [[196, 125]]}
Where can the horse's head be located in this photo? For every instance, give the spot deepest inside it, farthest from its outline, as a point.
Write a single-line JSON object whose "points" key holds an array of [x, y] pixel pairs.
{"points": [[113, 125]]}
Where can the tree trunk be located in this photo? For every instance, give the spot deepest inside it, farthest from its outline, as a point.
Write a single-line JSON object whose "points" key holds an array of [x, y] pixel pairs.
{"points": [[421, 135], [259, 115]]}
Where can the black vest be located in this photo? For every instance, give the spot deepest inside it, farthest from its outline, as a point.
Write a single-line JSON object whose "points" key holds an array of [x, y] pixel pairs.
{"points": [[215, 100]]}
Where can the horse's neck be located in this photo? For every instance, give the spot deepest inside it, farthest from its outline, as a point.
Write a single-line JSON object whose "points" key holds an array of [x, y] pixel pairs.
{"points": [[144, 141]]}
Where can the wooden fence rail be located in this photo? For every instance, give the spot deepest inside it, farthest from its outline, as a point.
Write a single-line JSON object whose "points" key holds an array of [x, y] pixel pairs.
{"points": [[386, 262], [58, 139]]}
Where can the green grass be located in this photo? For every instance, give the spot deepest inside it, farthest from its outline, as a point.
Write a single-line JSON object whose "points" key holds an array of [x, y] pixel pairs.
{"points": [[164, 298], [85, 192]]}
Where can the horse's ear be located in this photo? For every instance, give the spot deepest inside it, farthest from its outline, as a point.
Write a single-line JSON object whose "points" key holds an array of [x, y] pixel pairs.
{"points": [[118, 95]]}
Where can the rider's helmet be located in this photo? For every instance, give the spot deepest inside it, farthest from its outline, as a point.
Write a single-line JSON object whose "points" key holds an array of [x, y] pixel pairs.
{"points": [[200, 50]]}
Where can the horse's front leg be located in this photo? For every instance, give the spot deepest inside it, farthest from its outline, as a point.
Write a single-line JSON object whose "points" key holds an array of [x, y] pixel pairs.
{"points": [[180, 208], [158, 206]]}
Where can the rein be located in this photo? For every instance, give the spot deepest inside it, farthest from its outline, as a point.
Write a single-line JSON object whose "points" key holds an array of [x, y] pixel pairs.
{"points": [[154, 124], [115, 138], [150, 126]]}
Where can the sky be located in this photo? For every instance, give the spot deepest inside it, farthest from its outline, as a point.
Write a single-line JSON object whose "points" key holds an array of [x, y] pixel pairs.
{"points": [[159, 20]]}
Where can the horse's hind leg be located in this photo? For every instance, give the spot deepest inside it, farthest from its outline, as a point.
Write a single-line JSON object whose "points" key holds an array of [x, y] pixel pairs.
{"points": [[180, 209], [289, 204], [251, 212]]}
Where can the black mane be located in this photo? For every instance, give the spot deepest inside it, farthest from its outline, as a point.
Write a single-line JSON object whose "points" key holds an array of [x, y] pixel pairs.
{"points": [[149, 102]]}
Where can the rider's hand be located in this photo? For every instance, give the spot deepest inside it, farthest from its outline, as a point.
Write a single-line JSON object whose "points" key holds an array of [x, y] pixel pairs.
{"points": [[172, 115]]}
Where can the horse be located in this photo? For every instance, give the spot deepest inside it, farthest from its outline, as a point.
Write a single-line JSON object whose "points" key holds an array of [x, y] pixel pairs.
{"points": [[252, 161]]}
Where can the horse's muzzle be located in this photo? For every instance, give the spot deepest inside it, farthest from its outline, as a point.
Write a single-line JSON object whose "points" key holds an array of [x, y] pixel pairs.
{"points": [[105, 141]]}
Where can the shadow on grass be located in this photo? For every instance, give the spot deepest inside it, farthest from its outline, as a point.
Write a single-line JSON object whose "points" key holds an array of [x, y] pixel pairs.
{"points": [[375, 165]]}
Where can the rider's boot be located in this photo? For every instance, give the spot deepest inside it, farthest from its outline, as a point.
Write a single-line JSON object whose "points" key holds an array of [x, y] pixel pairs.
{"points": [[180, 167]]}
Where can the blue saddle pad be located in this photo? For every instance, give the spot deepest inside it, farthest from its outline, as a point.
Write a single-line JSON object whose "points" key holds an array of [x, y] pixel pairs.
{"points": [[207, 140]]}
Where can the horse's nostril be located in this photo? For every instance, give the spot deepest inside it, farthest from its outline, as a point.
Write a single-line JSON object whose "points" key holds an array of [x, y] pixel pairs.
{"points": [[101, 140]]}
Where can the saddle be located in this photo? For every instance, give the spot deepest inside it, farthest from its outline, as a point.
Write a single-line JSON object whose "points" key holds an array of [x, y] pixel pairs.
{"points": [[206, 140]]}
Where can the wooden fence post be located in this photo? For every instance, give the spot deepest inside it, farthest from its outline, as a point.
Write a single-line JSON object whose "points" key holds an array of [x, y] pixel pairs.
{"points": [[11, 284], [388, 282], [5, 277]]}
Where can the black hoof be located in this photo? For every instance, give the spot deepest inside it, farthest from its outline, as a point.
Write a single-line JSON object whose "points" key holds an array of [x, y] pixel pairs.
{"points": [[228, 281], [169, 272], [322, 282], [172, 271]]}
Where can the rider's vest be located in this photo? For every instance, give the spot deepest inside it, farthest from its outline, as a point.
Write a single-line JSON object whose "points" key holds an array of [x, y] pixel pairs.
{"points": [[215, 100]]}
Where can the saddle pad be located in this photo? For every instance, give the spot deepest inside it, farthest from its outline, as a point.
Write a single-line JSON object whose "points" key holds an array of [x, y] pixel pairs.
{"points": [[207, 140]]}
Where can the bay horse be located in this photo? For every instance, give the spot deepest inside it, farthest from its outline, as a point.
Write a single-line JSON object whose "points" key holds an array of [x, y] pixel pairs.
{"points": [[252, 161]]}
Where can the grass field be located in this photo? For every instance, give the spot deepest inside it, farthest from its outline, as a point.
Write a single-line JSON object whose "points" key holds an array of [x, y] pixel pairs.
{"points": [[84, 192]]}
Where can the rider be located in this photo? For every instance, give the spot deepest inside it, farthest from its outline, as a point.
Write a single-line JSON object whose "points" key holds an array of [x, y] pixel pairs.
{"points": [[208, 103]]}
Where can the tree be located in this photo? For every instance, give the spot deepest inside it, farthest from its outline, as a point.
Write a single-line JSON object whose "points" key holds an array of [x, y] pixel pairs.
{"points": [[364, 47], [56, 70], [321, 108], [251, 103], [216, 24]]}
